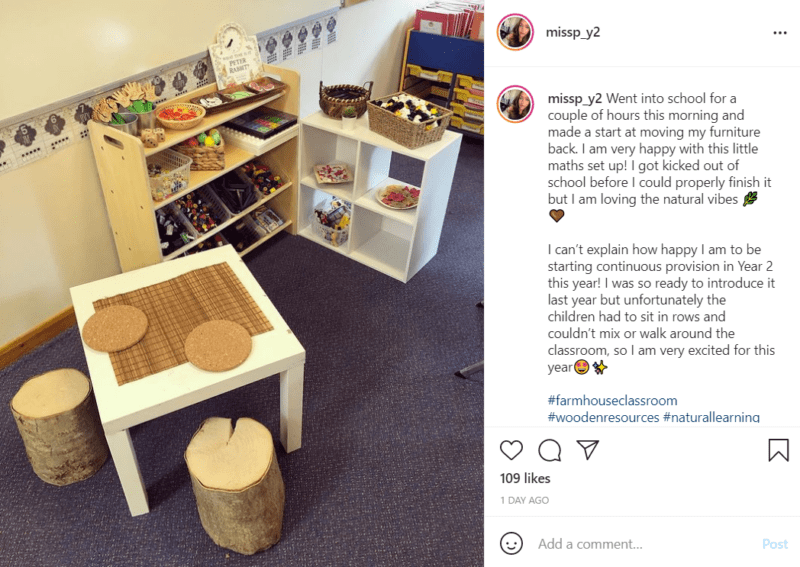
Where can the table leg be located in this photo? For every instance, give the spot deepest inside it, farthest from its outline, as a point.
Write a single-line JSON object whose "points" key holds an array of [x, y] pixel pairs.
{"points": [[292, 407], [130, 476]]}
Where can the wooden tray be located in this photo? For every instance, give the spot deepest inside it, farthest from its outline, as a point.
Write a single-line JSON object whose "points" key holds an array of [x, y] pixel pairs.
{"points": [[228, 104], [323, 176]]}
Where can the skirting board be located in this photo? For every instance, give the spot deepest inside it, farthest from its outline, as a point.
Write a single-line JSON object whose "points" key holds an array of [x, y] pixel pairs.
{"points": [[37, 336]]}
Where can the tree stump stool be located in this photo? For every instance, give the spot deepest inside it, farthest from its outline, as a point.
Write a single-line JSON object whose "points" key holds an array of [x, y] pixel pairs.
{"points": [[237, 484], [57, 418]]}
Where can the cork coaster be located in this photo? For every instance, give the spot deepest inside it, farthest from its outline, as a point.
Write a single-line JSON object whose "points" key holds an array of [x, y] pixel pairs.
{"points": [[115, 328], [218, 345]]}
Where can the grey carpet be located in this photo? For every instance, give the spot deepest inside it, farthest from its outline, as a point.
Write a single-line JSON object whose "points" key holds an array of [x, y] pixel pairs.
{"points": [[391, 468]]}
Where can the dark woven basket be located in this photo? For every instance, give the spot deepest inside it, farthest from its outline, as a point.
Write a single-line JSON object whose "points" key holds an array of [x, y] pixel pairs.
{"points": [[333, 100]]}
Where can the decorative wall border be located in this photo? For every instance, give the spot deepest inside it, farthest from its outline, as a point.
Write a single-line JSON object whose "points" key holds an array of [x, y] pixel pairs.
{"points": [[37, 134]]}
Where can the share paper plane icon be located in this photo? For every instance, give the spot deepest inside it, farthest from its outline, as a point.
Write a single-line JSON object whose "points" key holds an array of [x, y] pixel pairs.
{"points": [[588, 447]]}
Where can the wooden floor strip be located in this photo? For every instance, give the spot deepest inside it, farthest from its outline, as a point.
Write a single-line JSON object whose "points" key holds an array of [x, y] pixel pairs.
{"points": [[37, 336]]}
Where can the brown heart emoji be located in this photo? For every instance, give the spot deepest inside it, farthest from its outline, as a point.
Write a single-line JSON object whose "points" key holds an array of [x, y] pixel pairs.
{"points": [[557, 215]]}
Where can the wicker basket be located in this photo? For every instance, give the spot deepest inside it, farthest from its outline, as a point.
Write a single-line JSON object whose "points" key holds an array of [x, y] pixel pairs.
{"points": [[205, 158], [406, 133], [333, 100], [181, 124]]}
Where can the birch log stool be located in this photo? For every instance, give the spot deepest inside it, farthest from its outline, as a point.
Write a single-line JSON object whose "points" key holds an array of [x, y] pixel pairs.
{"points": [[57, 418], [237, 484]]}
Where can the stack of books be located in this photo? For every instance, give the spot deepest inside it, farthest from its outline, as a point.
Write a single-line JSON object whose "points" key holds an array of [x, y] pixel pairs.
{"points": [[457, 18]]}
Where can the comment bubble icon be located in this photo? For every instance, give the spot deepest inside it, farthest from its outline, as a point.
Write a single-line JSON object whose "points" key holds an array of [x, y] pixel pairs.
{"points": [[550, 450]]}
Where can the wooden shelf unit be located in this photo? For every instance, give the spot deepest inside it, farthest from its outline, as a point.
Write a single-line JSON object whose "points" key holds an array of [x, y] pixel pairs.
{"points": [[397, 243], [121, 164]]}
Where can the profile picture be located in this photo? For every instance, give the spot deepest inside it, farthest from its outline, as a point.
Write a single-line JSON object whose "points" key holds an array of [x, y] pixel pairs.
{"points": [[515, 103], [515, 31]]}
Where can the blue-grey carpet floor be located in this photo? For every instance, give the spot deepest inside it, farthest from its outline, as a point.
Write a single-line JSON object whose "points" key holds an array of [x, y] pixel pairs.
{"points": [[391, 467]]}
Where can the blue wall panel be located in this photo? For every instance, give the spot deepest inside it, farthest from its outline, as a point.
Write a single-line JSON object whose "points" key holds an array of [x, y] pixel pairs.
{"points": [[455, 54]]}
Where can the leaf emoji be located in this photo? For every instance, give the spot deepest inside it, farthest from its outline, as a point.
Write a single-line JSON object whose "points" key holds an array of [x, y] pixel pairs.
{"points": [[750, 198]]}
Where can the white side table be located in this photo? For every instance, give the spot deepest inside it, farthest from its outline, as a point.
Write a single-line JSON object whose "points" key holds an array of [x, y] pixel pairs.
{"points": [[121, 407]]}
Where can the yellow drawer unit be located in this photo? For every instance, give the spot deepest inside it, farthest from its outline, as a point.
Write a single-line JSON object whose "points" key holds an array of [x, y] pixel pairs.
{"points": [[462, 124], [467, 82], [431, 75], [419, 89], [467, 113], [423, 89], [472, 101]]}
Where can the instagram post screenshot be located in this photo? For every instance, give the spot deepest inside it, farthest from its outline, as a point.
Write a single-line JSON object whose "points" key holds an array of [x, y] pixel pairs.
{"points": [[641, 276]]}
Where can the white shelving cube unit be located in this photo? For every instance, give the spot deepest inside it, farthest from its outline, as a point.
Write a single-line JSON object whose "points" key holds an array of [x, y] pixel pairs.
{"points": [[395, 242]]}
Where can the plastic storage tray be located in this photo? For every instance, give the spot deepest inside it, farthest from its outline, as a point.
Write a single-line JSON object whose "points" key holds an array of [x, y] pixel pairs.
{"points": [[431, 75], [440, 91], [467, 113], [470, 100], [221, 212], [333, 236], [462, 124], [244, 233], [467, 82], [173, 211], [207, 244], [175, 179], [250, 196]]}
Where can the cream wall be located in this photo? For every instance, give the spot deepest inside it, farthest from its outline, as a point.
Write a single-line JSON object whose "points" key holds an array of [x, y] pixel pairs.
{"points": [[54, 232]]}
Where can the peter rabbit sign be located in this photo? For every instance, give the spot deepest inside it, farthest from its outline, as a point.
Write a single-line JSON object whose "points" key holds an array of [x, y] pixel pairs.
{"points": [[235, 56]]}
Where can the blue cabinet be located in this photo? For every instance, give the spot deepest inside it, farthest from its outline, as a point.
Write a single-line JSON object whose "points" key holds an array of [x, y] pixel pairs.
{"points": [[447, 71], [454, 54]]}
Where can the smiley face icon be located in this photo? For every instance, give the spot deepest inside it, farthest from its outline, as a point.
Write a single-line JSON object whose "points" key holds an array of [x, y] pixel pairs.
{"points": [[581, 366], [511, 543]]}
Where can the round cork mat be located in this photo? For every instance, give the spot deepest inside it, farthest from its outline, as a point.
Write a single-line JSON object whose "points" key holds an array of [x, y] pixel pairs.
{"points": [[115, 328], [218, 345]]}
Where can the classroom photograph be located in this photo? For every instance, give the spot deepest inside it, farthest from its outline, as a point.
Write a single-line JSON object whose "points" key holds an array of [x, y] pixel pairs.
{"points": [[242, 294]]}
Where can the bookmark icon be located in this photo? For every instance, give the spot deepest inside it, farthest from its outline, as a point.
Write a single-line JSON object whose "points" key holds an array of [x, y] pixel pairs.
{"points": [[779, 447]]}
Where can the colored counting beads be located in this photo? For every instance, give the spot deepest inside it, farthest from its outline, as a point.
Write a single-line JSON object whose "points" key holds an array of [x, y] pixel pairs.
{"points": [[198, 211], [263, 179]]}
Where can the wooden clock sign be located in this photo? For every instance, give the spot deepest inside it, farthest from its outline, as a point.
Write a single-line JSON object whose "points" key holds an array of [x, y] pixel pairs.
{"points": [[235, 56]]}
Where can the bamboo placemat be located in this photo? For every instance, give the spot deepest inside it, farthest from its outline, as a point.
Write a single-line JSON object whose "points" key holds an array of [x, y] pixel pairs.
{"points": [[173, 309]]}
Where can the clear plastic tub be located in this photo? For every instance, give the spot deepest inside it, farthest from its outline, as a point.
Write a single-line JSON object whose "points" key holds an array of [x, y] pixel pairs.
{"points": [[172, 212], [174, 177], [333, 236]]}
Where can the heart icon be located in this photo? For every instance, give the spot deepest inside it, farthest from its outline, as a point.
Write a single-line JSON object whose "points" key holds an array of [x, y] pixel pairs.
{"points": [[557, 215], [511, 448]]}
